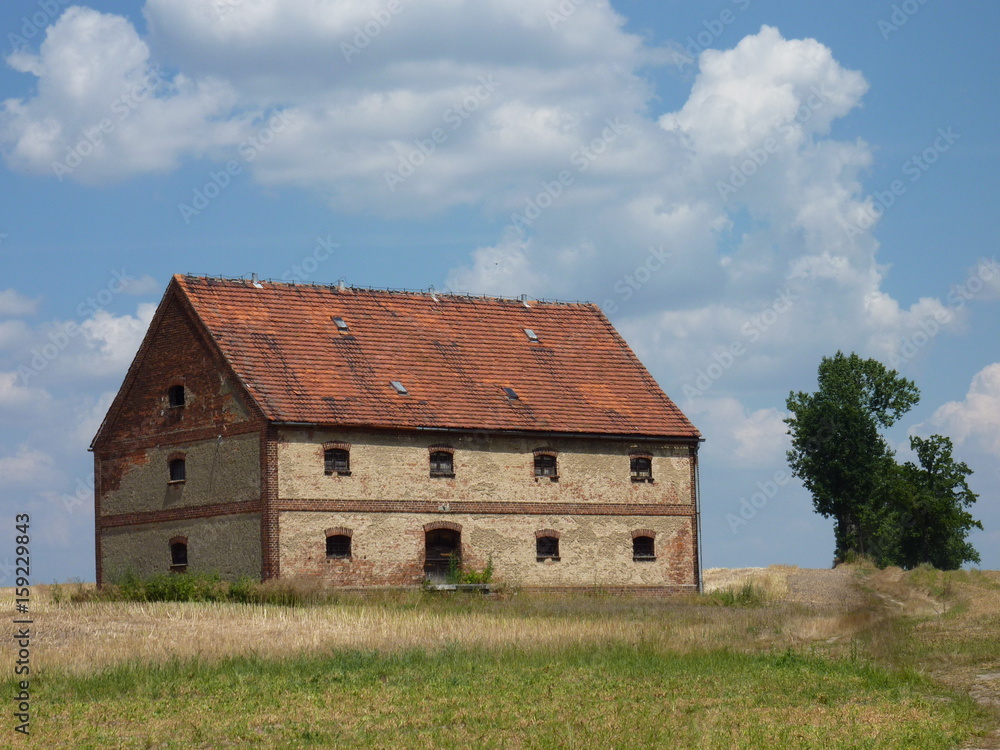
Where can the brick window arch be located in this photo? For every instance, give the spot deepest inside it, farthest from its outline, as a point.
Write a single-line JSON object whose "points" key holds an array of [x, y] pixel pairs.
{"points": [[443, 525]]}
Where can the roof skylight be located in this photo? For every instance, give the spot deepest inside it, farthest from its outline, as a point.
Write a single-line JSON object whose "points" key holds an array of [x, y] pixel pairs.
{"points": [[341, 324], [532, 336], [511, 393], [400, 388]]}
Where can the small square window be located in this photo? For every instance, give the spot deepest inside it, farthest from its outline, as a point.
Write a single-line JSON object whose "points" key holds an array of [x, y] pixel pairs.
{"points": [[337, 461], [545, 466], [547, 548], [643, 549], [641, 469], [338, 546], [442, 464]]}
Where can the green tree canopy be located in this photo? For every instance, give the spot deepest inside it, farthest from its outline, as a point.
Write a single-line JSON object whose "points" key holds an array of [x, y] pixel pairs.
{"points": [[837, 449]]}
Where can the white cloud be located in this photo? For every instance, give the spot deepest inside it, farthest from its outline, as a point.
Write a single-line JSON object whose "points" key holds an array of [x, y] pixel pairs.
{"points": [[103, 112], [15, 305], [27, 467], [741, 438], [976, 419], [112, 340]]}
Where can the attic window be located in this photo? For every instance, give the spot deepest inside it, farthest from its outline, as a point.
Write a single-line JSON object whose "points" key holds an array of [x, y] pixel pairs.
{"points": [[532, 336], [545, 466], [442, 464], [400, 388], [336, 462], [175, 396], [641, 468], [511, 393], [341, 324]]}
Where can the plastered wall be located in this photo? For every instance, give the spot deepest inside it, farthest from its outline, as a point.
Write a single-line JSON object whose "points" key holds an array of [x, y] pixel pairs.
{"points": [[388, 548], [487, 468], [228, 545], [217, 471]]}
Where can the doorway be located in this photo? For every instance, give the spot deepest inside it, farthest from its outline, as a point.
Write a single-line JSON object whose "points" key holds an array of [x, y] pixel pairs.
{"points": [[443, 552]]}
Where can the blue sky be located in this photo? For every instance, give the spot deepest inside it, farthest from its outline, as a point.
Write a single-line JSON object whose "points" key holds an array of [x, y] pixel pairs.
{"points": [[743, 186]]}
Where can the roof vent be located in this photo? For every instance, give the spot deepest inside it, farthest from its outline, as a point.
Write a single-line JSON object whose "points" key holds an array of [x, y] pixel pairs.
{"points": [[400, 388], [532, 336], [255, 282], [340, 323], [341, 286], [511, 393], [433, 296], [524, 300]]}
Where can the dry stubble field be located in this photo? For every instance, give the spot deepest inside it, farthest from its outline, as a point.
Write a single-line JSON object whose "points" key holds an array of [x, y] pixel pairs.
{"points": [[845, 658]]}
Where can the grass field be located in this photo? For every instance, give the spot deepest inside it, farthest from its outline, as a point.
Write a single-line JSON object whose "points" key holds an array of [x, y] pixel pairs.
{"points": [[898, 661]]}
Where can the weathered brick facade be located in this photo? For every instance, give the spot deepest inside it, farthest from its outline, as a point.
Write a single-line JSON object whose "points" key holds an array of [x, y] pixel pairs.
{"points": [[246, 490]]}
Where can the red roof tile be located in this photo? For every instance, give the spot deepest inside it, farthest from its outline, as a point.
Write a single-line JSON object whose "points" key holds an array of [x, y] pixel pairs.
{"points": [[454, 356]]}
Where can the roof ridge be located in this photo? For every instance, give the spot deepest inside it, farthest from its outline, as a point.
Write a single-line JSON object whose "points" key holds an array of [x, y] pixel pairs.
{"points": [[339, 285]]}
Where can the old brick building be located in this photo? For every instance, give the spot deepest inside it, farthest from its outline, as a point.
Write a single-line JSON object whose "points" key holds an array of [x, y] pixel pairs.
{"points": [[368, 437]]}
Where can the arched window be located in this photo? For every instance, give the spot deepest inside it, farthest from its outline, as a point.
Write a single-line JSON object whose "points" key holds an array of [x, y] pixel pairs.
{"points": [[337, 461], [547, 545], [178, 470], [178, 554], [641, 468], [442, 464], [643, 548], [175, 395]]}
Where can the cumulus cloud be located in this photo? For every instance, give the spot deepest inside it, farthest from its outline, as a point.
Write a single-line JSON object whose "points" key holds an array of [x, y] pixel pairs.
{"points": [[103, 111], [745, 439], [735, 219], [976, 419]]}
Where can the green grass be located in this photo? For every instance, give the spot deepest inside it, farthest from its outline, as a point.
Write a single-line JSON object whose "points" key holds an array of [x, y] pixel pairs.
{"points": [[605, 697]]}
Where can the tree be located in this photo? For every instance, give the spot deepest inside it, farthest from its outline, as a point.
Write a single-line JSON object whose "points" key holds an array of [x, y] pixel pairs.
{"points": [[902, 515], [837, 450], [926, 521]]}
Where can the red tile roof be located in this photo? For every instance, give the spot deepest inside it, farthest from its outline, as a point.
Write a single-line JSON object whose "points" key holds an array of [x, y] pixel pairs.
{"points": [[454, 356]]}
